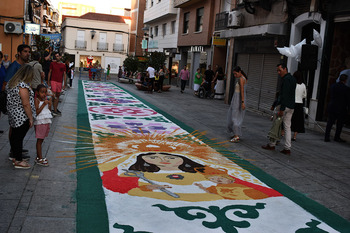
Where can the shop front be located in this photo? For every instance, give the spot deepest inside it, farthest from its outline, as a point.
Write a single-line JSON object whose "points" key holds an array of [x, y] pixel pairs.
{"points": [[258, 58]]}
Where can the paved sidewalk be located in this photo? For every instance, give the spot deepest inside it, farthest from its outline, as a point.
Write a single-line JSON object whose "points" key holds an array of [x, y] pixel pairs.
{"points": [[42, 199], [319, 170]]}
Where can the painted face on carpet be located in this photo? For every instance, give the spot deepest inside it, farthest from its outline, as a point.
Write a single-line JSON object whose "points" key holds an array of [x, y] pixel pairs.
{"points": [[158, 175]]}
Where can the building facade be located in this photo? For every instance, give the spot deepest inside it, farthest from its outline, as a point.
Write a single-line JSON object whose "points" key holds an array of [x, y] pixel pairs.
{"points": [[161, 22], [136, 27], [101, 38], [196, 27], [254, 32]]}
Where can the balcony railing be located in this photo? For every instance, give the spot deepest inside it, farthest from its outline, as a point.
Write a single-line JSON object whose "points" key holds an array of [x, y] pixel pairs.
{"points": [[221, 21], [184, 3], [80, 44], [118, 47], [102, 46]]}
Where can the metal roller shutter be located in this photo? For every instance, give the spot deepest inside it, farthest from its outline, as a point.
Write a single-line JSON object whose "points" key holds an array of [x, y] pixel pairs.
{"points": [[262, 79], [269, 81], [254, 80]]}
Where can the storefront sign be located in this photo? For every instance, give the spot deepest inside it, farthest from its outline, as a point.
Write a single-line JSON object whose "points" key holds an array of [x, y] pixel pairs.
{"points": [[177, 57], [142, 59], [197, 49], [219, 41], [32, 28], [153, 44], [144, 44]]}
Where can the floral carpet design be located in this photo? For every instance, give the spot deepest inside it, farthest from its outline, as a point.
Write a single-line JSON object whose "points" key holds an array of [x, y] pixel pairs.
{"points": [[140, 170]]}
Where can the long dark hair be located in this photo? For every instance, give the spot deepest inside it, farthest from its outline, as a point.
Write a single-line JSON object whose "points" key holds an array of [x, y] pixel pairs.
{"points": [[238, 69], [298, 76], [141, 165]]}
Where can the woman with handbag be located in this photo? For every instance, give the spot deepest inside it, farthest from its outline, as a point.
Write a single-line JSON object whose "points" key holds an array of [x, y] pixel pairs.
{"points": [[298, 114]]}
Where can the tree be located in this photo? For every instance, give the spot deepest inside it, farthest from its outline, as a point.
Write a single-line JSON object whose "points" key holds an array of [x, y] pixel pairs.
{"points": [[41, 44], [156, 60], [131, 63]]}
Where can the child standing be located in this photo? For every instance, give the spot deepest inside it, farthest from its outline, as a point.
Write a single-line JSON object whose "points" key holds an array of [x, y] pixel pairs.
{"points": [[42, 122]]}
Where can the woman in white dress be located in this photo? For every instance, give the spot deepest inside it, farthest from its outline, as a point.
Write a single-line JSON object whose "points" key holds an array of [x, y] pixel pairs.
{"points": [[236, 111]]}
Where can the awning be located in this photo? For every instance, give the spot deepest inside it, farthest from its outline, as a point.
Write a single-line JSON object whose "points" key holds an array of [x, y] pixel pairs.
{"points": [[266, 29]]}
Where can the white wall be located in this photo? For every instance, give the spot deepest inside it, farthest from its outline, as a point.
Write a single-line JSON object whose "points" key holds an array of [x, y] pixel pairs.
{"points": [[70, 36]]}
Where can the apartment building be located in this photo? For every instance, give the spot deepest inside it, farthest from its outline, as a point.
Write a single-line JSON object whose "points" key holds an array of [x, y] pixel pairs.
{"points": [[254, 30], [98, 37], [161, 25], [136, 27], [196, 27]]}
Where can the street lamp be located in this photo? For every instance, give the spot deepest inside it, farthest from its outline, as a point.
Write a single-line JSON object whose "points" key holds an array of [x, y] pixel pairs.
{"points": [[93, 32]]}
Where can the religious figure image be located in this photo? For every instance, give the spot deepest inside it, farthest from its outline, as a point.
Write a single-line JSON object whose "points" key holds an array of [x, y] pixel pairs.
{"points": [[175, 177]]}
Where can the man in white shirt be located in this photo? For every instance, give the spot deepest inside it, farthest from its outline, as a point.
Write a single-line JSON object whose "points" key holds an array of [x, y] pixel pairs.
{"points": [[151, 74]]}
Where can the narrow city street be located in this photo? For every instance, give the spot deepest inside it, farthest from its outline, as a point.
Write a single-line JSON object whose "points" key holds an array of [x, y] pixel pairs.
{"points": [[46, 199]]}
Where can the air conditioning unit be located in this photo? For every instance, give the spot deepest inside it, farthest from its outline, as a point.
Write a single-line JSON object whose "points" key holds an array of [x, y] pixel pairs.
{"points": [[235, 19], [13, 27]]}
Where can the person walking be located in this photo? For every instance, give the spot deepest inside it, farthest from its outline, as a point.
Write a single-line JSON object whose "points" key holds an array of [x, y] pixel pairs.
{"points": [[237, 108], [42, 122], [163, 71], [39, 74], [57, 78], [298, 114], [220, 84], [47, 62], [151, 75], [21, 112], [198, 81], [287, 103], [184, 76], [338, 106], [209, 77]]}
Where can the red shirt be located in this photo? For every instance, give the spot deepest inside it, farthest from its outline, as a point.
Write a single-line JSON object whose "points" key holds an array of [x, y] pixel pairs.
{"points": [[57, 71]]}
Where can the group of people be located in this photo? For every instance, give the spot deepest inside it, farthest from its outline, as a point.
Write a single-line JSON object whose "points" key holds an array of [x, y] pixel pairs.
{"points": [[212, 82], [154, 79], [31, 89], [289, 108]]}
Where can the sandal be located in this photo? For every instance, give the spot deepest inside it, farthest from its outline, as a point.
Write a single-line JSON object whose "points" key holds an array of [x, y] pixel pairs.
{"points": [[42, 162], [21, 164], [235, 139]]}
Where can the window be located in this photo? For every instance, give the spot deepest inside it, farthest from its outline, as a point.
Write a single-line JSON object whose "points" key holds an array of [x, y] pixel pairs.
{"points": [[164, 29], [186, 22], [156, 31], [151, 32], [199, 19], [173, 23]]}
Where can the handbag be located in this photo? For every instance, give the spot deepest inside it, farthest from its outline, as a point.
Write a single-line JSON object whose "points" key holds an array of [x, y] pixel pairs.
{"points": [[306, 110]]}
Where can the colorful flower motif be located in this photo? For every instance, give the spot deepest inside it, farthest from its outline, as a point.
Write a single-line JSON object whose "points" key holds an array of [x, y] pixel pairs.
{"points": [[122, 111]]}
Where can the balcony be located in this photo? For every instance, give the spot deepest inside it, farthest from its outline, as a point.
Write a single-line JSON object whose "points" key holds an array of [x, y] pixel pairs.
{"points": [[184, 3], [102, 46], [118, 47], [80, 44], [160, 10], [221, 21]]}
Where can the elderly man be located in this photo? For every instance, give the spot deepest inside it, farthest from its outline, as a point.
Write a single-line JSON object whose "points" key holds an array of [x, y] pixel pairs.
{"points": [[287, 102]]}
